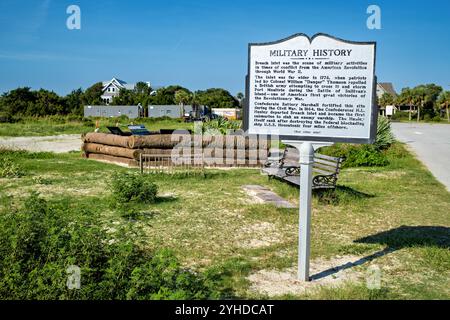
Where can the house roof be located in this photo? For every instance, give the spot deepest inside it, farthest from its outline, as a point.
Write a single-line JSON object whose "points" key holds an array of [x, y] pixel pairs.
{"points": [[388, 87], [118, 83]]}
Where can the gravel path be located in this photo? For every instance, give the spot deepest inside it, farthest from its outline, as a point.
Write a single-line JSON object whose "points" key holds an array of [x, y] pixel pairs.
{"points": [[58, 144]]}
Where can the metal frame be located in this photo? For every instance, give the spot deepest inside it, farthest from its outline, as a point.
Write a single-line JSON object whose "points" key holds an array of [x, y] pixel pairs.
{"points": [[374, 109]]}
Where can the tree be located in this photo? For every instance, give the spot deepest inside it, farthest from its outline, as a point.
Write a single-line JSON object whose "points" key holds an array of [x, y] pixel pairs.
{"points": [[182, 97], [92, 95], [142, 89], [74, 102], [386, 99], [47, 103], [426, 97], [142, 95], [406, 97], [125, 98], [444, 101], [217, 98], [240, 97], [166, 96], [17, 101]]}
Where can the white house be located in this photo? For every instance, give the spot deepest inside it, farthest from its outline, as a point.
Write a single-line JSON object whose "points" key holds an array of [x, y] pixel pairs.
{"points": [[112, 88]]}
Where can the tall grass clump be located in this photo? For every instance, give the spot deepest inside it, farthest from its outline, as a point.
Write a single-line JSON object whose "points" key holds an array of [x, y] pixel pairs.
{"points": [[385, 137], [132, 187]]}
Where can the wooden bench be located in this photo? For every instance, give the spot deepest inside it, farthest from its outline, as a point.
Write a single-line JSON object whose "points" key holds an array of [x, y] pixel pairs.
{"points": [[325, 168]]}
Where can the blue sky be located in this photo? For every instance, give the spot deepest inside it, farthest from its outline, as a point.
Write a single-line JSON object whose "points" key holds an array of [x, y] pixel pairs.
{"points": [[201, 44]]}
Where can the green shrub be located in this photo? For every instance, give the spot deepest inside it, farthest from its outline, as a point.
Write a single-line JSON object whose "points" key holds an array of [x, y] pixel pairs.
{"points": [[10, 169], [436, 118], [220, 125], [385, 137], [400, 115], [365, 156], [128, 187], [39, 241]]}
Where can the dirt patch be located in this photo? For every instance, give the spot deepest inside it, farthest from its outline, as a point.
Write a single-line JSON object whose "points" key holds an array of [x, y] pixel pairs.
{"points": [[258, 235], [58, 144], [333, 273]]}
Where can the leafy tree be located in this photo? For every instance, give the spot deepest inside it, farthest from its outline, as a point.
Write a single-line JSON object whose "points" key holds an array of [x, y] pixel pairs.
{"points": [[92, 95], [182, 97], [386, 99], [426, 97], [444, 102], [166, 96], [240, 97], [406, 98], [47, 103], [74, 102], [17, 101], [125, 98], [217, 98], [142, 95]]}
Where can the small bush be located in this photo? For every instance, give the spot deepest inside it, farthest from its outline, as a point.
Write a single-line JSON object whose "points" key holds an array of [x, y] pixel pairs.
{"points": [[365, 156], [385, 137], [128, 187], [400, 115], [436, 119], [9, 169], [41, 240]]}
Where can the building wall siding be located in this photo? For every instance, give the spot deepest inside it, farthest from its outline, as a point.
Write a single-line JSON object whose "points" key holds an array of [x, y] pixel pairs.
{"points": [[111, 111]]}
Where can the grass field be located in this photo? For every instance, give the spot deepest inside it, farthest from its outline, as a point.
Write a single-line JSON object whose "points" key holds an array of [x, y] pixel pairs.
{"points": [[54, 125], [396, 216]]}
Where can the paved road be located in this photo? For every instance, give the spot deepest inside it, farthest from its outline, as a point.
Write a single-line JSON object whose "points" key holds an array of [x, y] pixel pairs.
{"points": [[431, 143], [58, 144]]}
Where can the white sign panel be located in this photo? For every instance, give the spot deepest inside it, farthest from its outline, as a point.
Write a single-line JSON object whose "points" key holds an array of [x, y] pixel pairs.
{"points": [[318, 89], [389, 110]]}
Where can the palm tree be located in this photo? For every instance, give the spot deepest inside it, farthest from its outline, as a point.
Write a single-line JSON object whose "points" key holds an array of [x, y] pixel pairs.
{"points": [[406, 97], [182, 98], [444, 100]]}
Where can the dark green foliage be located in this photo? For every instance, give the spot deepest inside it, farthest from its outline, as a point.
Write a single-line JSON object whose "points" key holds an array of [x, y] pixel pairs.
{"points": [[216, 98], [166, 96], [400, 115], [74, 102], [41, 240], [128, 187], [357, 155], [365, 156], [92, 95], [373, 155]]}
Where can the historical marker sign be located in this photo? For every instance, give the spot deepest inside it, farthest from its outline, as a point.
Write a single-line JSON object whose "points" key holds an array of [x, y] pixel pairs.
{"points": [[306, 90], [318, 89]]}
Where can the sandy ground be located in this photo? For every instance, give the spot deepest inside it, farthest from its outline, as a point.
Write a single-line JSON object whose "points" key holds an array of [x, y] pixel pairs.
{"points": [[329, 273], [58, 144]]}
